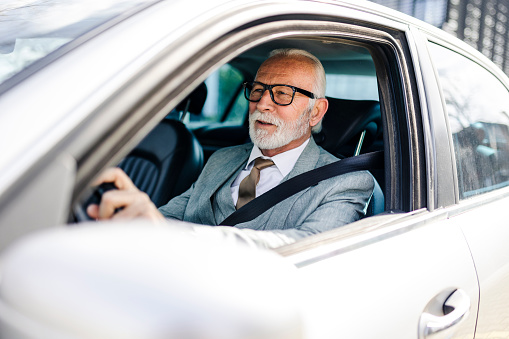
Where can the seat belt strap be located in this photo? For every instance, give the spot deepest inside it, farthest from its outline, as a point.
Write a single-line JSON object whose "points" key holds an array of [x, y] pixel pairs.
{"points": [[286, 189]]}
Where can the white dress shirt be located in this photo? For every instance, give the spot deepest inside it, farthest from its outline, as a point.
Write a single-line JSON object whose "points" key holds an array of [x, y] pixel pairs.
{"points": [[271, 176]]}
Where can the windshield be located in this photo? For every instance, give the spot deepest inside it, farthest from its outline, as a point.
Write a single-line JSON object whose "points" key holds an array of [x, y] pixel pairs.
{"points": [[32, 29]]}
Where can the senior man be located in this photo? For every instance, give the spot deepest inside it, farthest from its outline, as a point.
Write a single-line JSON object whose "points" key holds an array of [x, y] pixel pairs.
{"points": [[286, 103]]}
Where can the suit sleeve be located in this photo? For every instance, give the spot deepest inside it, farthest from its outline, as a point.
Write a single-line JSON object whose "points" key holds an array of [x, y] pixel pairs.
{"points": [[176, 207], [343, 204]]}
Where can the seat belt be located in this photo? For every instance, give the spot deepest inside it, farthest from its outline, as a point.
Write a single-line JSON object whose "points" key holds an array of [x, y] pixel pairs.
{"points": [[254, 208]]}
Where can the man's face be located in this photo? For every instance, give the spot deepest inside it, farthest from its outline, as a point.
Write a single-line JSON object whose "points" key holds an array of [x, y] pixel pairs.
{"points": [[281, 128]]}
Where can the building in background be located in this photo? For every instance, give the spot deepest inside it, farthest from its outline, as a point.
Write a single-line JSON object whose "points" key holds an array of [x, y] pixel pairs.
{"points": [[483, 24]]}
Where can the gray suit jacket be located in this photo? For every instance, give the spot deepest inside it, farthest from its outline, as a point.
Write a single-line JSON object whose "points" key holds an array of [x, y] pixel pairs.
{"points": [[332, 203]]}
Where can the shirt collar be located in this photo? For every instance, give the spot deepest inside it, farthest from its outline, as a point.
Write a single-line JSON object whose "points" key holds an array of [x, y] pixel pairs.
{"points": [[284, 161]]}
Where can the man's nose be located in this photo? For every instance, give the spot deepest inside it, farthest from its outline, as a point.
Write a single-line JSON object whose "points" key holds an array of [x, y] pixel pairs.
{"points": [[265, 101]]}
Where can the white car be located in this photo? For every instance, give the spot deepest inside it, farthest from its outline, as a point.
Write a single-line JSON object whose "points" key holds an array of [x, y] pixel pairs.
{"points": [[156, 87]]}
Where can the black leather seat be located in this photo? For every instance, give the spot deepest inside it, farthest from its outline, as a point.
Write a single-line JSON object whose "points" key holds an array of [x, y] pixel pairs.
{"points": [[345, 121], [342, 127], [169, 159]]}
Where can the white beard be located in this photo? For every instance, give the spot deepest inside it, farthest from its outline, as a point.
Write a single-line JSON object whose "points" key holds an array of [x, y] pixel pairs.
{"points": [[285, 132]]}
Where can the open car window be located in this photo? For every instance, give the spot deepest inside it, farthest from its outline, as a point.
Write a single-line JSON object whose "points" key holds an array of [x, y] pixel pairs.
{"points": [[366, 100], [353, 124]]}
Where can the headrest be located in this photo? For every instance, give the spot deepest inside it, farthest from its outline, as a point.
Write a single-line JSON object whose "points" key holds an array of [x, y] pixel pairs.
{"points": [[195, 100], [344, 122]]}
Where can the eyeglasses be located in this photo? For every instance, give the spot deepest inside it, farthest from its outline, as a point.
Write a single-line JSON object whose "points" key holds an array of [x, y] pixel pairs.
{"points": [[281, 95]]}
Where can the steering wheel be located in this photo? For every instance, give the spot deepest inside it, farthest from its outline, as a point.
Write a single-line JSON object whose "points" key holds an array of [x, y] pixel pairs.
{"points": [[80, 210]]}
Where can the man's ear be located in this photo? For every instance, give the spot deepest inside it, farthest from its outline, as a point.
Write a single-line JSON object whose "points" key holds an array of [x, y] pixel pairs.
{"points": [[321, 106]]}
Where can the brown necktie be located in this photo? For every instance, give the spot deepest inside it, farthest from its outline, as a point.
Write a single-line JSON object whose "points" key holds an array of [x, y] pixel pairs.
{"points": [[247, 188]]}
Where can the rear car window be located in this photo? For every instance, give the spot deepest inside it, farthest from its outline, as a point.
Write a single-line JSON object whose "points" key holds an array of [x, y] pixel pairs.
{"points": [[225, 103], [352, 87], [477, 104]]}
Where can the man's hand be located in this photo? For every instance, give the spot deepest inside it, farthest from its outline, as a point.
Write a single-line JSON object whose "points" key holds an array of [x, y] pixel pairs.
{"points": [[133, 202]]}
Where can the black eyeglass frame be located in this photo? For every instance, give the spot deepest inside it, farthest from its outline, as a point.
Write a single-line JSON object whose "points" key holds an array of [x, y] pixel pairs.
{"points": [[269, 88]]}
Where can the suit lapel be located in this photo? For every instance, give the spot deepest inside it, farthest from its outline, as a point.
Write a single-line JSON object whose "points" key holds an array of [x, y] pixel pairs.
{"points": [[307, 161], [224, 204], [225, 171]]}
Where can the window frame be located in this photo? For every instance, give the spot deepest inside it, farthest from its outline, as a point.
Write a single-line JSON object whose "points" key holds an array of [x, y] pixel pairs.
{"points": [[405, 177], [400, 174]]}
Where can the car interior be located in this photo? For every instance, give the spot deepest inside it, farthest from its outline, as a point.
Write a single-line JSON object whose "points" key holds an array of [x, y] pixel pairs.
{"points": [[169, 159]]}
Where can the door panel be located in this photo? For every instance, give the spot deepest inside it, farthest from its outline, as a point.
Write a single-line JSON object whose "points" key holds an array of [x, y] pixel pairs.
{"points": [[382, 289], [487, 231]]}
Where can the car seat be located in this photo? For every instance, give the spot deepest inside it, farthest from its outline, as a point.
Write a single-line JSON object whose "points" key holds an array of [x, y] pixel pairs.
{"points": [[169, 159], [352, 126], [344, 124]]}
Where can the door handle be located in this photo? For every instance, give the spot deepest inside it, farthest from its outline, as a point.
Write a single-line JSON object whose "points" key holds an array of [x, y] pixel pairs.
{"points": [[455, 309]]}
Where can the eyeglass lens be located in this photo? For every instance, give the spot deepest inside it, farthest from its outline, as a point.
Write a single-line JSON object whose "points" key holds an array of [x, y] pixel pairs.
{"points": [[282, 95]]}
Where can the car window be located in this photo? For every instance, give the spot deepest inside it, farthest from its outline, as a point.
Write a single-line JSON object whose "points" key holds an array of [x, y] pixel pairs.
{"points": [[352, 87], [477, 104], [225, 102]]}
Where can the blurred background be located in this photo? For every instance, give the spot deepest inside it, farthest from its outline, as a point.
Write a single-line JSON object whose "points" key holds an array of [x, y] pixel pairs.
{"points": [[482, 24]]}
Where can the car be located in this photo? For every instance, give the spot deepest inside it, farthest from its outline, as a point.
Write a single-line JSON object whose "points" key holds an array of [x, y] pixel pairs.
{"points": [[155, 87]]}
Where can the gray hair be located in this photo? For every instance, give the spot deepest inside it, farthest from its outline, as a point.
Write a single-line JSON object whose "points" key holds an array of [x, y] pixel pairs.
{"points": [[319, 83]]}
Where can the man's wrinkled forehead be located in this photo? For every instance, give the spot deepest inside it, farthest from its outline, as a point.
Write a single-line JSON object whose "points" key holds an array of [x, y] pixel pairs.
{"points": [[290, 70]]}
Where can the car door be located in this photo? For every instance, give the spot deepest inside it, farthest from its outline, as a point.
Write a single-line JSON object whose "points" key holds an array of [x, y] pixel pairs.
{"points": [[476, 102], [386, 283]]}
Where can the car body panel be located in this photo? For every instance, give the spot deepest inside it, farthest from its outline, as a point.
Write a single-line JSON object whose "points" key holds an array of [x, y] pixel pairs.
{"points": [[485, 229], [389, 281]]}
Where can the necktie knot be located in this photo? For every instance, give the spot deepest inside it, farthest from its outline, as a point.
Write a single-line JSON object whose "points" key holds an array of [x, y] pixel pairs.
{"points": [[247, 187], [261, 163]]}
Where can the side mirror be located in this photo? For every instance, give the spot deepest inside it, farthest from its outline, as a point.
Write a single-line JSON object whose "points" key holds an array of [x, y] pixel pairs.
{"points": [[138, 280]]}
